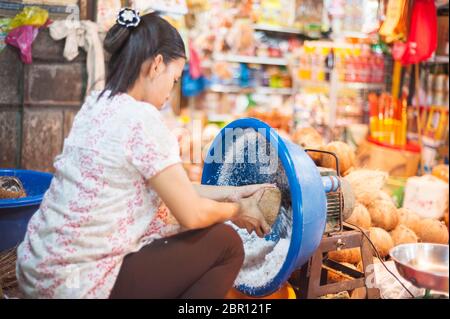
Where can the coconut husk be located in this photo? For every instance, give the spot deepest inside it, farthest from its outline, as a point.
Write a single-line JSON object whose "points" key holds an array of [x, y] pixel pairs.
{"points": [[11, 187], [365, 183], [269, 204]]}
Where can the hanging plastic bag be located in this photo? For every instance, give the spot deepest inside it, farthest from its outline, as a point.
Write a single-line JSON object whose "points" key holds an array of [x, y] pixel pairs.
{"points": [[422, 38], [31, 16], [394, 26], [24, 28], [22, 38], [389, 286]]}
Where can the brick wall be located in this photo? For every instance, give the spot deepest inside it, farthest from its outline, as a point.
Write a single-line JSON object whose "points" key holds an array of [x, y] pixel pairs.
{"points": [[38, 103]]}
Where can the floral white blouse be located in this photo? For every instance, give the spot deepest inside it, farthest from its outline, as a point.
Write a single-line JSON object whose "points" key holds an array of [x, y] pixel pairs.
{"points": [[98, 208]]}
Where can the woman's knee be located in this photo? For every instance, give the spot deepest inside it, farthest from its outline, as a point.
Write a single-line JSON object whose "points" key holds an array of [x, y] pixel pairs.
{"points": [[229, 239]]}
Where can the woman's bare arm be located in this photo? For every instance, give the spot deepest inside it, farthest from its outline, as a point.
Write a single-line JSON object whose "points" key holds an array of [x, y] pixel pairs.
{"points": [[190, 209]]}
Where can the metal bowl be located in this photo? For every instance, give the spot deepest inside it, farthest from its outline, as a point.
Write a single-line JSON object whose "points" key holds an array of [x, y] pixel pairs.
{"points": [[424, 265]]}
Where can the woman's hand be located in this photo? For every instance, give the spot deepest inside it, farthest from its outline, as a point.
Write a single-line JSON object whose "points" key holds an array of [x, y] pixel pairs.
{"points": [[250, 216], [246, 191]]}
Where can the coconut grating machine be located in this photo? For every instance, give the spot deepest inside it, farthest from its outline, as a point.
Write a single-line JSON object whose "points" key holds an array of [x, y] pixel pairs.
{"points": [[318, 200]]}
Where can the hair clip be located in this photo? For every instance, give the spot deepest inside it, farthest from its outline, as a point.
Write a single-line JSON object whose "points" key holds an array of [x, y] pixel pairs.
{"points": [[128, 17]]}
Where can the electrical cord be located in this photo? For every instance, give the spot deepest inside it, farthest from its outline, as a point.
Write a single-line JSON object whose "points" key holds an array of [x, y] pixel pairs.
{"points": [[379, 257]]}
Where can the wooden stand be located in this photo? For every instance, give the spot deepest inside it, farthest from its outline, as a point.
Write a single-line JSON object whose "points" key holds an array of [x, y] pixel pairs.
{"points": [[311, 279]]}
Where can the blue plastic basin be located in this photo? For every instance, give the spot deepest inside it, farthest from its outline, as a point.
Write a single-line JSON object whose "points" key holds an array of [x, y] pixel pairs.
{"points": [[16, 213], [308, 198]]}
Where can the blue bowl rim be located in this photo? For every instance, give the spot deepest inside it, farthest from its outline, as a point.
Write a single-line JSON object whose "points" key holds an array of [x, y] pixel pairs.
{"points": [[290, 263], [26, 201]]}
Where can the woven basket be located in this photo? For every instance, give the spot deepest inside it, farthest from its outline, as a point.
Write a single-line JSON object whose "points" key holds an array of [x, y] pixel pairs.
{"points": [[8, 281]]}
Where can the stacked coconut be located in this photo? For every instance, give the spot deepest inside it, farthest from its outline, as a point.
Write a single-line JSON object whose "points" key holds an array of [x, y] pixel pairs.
{"points": [[388, 225], [375, 210]]}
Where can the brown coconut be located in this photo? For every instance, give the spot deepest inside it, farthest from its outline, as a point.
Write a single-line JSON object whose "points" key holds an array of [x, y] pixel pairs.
{"points": [[11, 188], [403, 235], [337, 276], [343, 151], [308, 137], [432, 231], [360, 217], [269, 204], [381, 240], [352, 255], [408, 218], [368, 198], [383, 214]]}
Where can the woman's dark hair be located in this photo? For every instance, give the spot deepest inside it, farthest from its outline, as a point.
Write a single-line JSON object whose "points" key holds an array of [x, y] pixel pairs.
{"points": [[131, 47]]}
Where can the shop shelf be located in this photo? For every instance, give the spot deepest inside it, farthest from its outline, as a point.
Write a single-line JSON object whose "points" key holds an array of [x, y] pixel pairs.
{"points": [[363, 86], [344, 85], [218, 88], [270, 28], [250, 59], [441, 59]]}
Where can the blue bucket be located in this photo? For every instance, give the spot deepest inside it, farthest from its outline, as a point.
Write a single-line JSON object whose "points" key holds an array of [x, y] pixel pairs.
{"points": [[16, 213], [308, 198]]}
